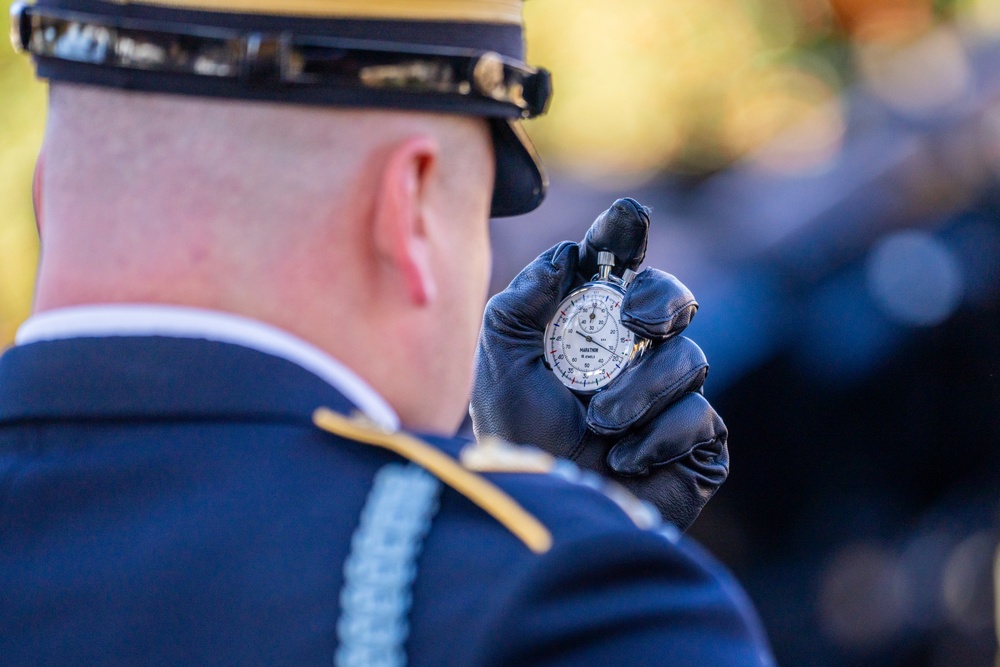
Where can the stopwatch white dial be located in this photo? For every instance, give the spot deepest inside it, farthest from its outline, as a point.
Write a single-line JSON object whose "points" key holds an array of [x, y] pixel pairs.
{"points": [[586, 345]]}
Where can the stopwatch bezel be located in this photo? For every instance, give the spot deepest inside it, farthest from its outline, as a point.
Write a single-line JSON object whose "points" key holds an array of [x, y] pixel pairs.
{"points": [[639, 344]]}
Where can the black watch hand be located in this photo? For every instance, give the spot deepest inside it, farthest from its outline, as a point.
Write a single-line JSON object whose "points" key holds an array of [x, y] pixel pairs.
{"points": [[591, 340]]}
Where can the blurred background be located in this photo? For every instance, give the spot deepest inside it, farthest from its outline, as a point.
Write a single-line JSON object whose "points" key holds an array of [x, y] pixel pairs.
{"points": [[825, 176]]}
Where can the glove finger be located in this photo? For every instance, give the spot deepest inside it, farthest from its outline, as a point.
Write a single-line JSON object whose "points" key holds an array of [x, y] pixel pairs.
{"points": [[557, 425], [689, 433], [515, 397], [658, 378], [622, 230], [657, 306], [678, 493], [531, 299]]}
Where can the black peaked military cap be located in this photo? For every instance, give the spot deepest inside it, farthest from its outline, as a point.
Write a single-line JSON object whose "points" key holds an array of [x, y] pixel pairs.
{"points": [[452, 56]]}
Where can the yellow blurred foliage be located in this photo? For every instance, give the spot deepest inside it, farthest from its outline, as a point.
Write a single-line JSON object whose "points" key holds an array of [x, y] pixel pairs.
{"points": [[22, 121], [644, 85]]}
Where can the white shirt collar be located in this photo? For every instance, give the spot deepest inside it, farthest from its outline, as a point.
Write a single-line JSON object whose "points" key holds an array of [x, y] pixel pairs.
{"points": [[182, 322]]}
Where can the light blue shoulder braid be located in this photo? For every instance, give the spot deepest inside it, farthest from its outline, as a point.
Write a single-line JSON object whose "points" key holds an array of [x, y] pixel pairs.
{"points": [[380, 570]]}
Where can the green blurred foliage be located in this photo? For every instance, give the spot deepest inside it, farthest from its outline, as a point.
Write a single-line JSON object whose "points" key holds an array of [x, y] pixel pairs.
{"points": [[22, 120]]}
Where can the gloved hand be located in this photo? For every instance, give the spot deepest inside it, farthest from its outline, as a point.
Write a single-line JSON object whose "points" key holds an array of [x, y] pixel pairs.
{"points": [[650, 429]]}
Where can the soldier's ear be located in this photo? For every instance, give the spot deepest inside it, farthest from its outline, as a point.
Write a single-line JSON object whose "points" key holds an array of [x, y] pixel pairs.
{"points": [[399, 220]]}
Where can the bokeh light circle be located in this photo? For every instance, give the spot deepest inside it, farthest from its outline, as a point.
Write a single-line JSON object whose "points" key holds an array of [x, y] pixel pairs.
{"points": [[915, 279]]}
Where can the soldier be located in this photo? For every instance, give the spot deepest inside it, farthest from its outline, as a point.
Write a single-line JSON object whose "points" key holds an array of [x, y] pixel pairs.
{"points": [[264, 263]]}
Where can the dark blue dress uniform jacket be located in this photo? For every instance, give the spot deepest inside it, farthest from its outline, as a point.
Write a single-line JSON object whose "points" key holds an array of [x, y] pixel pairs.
{"points": [[170, 502]]}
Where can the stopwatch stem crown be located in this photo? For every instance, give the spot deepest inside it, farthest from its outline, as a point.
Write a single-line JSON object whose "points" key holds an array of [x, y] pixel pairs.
{"points": [[605, 262]]}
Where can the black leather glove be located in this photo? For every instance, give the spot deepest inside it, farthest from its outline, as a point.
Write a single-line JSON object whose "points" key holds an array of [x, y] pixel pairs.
{"points": [[650, 430]]}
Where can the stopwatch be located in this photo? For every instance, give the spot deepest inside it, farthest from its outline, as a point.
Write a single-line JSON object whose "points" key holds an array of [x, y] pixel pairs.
{"points": [[586, 345]]}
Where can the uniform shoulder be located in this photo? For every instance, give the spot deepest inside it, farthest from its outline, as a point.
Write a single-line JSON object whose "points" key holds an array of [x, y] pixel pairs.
{"points": [[530, 493], [613, 558], [560, 491], [597, 551]]}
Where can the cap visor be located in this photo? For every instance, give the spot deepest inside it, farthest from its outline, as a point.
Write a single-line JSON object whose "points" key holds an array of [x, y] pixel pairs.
{"points": [[520, 183]]}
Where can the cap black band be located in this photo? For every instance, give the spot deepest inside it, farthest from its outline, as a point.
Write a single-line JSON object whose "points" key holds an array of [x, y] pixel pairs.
{"points": [[206, 60], [458, 67], [505, 39]]}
